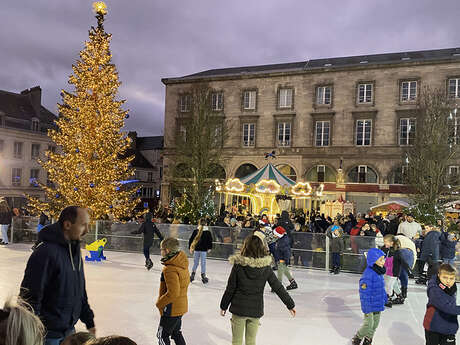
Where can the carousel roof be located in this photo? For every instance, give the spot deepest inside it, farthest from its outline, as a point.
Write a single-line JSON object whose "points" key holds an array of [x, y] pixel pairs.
{"points": [[268, 172]]}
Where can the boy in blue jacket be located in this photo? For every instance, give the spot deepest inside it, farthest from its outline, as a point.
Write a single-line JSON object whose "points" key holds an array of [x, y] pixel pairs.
{"points": [[440, 321], [372, 295]]}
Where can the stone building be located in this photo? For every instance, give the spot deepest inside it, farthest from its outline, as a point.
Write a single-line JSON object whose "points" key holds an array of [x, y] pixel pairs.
{"points": [[326, 119], [148, 165], [24, 123]]}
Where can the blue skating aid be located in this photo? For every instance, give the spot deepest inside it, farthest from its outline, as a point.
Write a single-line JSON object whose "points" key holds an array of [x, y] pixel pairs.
{"points": [[96, 250]]}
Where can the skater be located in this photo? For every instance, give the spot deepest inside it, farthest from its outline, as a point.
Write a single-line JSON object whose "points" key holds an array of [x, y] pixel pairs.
{"points": [[199, 244], [447, 248], [335, 233], [245, 290], [283, 256], [19, 325], [372, 295], [42, 222], [148, 228], [430, 253], [408, 254], [393, 264], [440, 320], [172, 299], [5, 220], [55, 273]]}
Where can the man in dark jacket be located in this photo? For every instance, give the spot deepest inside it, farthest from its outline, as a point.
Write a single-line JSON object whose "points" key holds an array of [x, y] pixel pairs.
{"points": [[148, 228], [430, 252], [54, 280]]}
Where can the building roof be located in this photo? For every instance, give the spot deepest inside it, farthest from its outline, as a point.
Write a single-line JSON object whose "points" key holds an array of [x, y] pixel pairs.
{"points": [[326, 63], [149, 143]]}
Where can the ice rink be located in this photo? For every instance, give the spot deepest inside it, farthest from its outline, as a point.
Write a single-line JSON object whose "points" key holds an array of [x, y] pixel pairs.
{"points": [[122, 294]]}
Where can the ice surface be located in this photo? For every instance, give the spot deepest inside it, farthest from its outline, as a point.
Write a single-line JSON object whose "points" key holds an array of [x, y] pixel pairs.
{"points": [[122, 294]]}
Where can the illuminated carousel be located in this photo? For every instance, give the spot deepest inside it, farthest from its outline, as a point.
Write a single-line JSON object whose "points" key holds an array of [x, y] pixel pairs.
{"points": [[266, 191]]}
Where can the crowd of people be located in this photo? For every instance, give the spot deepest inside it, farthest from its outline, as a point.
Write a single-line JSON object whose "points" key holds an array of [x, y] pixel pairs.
{"points": [[48, 308]]}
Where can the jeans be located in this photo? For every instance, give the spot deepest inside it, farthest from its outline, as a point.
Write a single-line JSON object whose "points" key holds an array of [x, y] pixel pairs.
{"points": [[197, 258], [408, 257], [449, 261], [57, 341], [371, 322], [244, 326], [335, 259], [170, 327], [4, 232]]}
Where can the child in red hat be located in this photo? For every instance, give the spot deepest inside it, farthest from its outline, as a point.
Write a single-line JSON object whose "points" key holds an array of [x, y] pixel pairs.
{"points": [[283, 257]]}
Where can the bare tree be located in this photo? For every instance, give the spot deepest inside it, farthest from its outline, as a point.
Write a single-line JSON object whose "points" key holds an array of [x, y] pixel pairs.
{"points": [[433, 150], [199, 147]]}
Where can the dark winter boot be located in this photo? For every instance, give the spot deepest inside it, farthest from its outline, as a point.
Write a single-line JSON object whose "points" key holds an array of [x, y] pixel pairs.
{"points": [[332, 270], [148, 264], [292, 286], [404, 292], [204, 279], [389, 303], [192, 277], [367, 341], [337, 270], [356, 340], [398, 300]]}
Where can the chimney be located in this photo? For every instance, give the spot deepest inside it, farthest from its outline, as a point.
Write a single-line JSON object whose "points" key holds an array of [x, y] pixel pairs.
{"points": [[35, 98]]}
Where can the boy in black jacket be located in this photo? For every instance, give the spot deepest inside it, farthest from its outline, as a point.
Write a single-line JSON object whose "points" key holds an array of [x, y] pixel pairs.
{"points": [[148, 228]]}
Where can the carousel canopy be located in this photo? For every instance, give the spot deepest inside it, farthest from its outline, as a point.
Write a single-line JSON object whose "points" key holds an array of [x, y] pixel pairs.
{"points": [[268, 172]]}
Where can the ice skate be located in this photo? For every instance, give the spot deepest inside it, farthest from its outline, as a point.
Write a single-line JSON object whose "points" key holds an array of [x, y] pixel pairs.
{"points": [[367, 341], [337, 270], [398, 300], [204, 279], [292, 286], [148, 264], [389, 303], [192, 277], [356, 340]]}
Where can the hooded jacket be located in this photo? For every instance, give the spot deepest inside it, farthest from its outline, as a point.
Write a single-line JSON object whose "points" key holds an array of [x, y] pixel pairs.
{"points": [[175, 278], [245, 287], [371, 285], [447, 247], [442, 309], [54, 283], [430, 246]]}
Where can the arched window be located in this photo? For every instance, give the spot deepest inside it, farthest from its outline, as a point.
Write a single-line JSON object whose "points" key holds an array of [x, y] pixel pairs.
{"points": [[362, 174], [216, 171], [287, 171], [182, 171], [320, 173], [244, 170]]}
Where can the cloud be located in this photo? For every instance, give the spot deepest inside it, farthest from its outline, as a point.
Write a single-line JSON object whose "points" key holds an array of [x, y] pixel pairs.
{"points": [[156, 39]]}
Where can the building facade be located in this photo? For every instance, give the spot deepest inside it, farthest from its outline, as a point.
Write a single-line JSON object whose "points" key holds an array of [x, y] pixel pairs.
{"points": [[148, 165], [343, 122], [24, 124]]}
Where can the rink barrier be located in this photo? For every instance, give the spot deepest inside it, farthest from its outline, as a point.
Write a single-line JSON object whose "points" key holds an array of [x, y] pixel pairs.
{"points": [[309, 250]]}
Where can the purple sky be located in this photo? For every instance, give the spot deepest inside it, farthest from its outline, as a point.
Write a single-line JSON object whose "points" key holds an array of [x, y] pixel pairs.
{"points": [[40, 39]]}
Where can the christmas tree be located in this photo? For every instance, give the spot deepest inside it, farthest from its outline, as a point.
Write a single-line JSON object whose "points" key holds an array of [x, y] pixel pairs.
{"points": [[90, 167]]}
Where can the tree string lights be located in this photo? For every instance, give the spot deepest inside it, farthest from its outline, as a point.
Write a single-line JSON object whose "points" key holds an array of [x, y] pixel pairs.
{"points": [[91, 164]]}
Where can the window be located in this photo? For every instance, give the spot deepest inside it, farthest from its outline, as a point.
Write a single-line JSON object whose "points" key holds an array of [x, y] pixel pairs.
{"points": [[17, 149], [16, 176], [183, 132], [249, 100], [455, 130], [2, 144], [322, 133], [365, 93], [363, 132], [147, 192], [52, 148], [406, 131], [408, 91], [287, 171], [184, 103], [35, 151], [323, 95], [454, 88], [34, 177], [150, 176], [217, 99], [284, 134], [137, 175], [249, 135], [285, 98], [454, 170], [362, 172], [321, 171], [35, 125]]}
